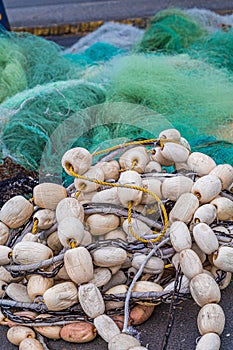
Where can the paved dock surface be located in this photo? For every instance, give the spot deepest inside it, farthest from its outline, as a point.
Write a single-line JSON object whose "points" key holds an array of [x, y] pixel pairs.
{"points": [[39, 13]]}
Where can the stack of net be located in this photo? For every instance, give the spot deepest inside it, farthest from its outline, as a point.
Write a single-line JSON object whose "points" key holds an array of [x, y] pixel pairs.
{"points": [[170, 31], [202, 34], [27, 61], [210, 20], [183, 75], [122, 36], [193, 96], [36, 113]]}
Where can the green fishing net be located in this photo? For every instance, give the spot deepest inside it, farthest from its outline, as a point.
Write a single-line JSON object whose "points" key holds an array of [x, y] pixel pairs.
{"points": [[96, 53], [97, 128], [187, 91], [13, 77], [195, 97], [114, 123], [188, 94], [220, 150], [29, 125], [174, 31], [170, 31], [27, 60], [216, 49]]}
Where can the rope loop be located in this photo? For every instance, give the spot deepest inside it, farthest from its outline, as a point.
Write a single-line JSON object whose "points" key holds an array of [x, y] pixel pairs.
{"points": [[104, 183]]}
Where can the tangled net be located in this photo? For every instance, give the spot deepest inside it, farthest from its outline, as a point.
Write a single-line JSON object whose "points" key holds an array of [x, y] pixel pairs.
{"points": [[195, 86], [36, 113], [202, 34], [27, 61], [210, 20], [138, 239], [215, 49], [180, 89], [170, 31], [183, 74], [119, 35]]}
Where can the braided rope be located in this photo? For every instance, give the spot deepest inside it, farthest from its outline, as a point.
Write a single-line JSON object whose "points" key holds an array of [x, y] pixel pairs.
{"points": [[138, 188]]}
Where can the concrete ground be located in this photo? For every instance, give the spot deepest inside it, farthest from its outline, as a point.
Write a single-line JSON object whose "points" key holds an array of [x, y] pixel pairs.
{"points": [[54, 13]]}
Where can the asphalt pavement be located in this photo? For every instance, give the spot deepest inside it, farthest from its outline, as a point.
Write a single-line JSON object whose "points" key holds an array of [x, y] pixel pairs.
{"points": [[54, 13]]}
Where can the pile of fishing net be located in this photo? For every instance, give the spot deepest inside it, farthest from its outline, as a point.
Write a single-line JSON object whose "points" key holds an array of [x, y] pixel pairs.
{"points": [[34, 114], [179, 69], [193, 96], [96, 53], [210, 20], [170, 31], [116, 85], [27, 61], [119, 35], [200, 33]]}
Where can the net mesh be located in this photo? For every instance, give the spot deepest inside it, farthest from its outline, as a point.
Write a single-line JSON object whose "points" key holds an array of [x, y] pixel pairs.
{"points": [[210, 20], [96, 53], [215, 49], [26, 133], [170, 31], [27, 61], [193, 96], [202, 34], [191, 91], [123, 36]]}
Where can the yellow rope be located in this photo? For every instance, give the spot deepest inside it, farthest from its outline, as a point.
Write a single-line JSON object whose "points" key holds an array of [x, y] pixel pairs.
{"points": [[163, 141], [140, 142], [73, 244], [138, 188], [197, 221], [77, 194], [133, 233], [168, 266], [134, 163], [34, 228]]}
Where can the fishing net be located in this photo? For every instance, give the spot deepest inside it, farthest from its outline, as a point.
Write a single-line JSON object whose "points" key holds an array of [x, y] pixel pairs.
{"points": [[96, 53], [195, 97], [122, 36], [99, 127], [35, 114], [215, 49], [170, 31], [183, 89], [210, 20], [13, 77], [174, 31], [27, 60], [177, 88], [221, 151]]}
